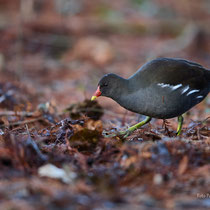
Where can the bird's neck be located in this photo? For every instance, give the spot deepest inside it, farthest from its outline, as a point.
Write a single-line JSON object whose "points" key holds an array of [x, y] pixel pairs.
{"points": [[121, 88]]}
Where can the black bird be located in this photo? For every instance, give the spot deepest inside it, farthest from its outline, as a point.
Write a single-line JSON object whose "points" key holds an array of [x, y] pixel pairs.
{"points": [[162, 88]]}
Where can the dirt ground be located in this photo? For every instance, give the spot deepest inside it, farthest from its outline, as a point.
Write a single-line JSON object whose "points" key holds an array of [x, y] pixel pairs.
{"points": [[53, 154]]}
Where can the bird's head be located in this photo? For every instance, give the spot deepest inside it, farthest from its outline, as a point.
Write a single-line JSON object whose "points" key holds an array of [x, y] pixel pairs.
{"points": [[108, 86]]}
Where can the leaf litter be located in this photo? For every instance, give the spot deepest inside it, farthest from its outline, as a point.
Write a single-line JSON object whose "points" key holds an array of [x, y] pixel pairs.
{"points": [[55, 159], [100, 170]]}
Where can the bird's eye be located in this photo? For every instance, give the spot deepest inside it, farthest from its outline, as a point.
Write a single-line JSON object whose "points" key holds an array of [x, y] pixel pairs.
{"points": [[105, 84]]}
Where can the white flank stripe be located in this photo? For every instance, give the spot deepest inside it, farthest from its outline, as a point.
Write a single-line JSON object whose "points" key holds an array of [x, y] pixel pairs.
{"points": [[163, 85], [185, 89], [192, 91], [169, 86], [176, 86], [199, 97]]}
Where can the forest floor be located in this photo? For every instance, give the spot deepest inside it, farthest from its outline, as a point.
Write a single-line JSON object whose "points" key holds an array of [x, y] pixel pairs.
{"points": [[52, 151]]}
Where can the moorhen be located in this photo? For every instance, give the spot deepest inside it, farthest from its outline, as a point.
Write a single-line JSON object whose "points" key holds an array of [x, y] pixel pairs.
{"points": [[162, 88]]}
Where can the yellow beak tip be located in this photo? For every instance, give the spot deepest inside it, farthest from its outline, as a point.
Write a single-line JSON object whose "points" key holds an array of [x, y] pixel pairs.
{"points": [[93, 98]]}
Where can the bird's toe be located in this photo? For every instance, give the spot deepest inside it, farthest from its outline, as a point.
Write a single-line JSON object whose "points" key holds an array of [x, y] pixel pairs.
{"points": [[124, 134], [109, 134]]}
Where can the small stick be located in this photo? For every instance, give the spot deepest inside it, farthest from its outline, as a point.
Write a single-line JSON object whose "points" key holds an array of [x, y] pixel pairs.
{"points": [[23, 113], [22, 122]]}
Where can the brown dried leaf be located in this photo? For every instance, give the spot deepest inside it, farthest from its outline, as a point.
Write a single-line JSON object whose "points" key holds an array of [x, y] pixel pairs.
{"points": [[183, 165]]}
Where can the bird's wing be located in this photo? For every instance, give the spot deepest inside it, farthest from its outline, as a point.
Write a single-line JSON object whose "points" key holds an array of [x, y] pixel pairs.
{"points": [[173, 72]]}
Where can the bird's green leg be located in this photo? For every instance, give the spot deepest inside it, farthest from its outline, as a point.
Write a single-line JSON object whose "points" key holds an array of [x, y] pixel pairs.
{"points": [[180, 123], [134, 127]]}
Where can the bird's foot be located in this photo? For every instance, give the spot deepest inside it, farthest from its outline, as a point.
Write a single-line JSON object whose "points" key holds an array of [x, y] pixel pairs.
{"points": [[109, 134], [124, 134], [121, 134]]}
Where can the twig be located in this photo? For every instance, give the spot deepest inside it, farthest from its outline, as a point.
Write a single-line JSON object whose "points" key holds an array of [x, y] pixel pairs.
{"points": [[19, 113], [34, 145], [205, 120], [23, 122]]}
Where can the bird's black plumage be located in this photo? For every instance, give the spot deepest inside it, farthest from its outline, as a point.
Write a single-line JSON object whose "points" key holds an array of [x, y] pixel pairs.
{"points": [[162, 88]]}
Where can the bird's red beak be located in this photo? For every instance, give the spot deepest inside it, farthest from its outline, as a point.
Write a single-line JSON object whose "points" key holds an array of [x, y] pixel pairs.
{"points": [[96, 94]]}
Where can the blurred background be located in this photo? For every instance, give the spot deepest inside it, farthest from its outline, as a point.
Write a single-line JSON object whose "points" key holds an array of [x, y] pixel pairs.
{"points": [[59, 49], [54, 52]]}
